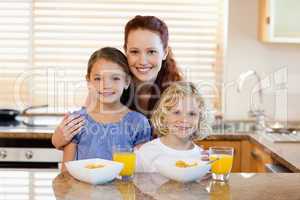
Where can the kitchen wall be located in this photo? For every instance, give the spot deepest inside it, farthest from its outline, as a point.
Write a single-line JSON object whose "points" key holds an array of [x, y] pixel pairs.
{"points": [[276, 63]]}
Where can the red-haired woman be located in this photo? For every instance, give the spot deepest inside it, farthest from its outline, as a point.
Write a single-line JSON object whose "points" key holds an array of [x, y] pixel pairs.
{"points": [[152, 66]]}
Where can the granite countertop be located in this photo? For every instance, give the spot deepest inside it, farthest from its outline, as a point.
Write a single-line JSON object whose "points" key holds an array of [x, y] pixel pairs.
{"points": [[49, 184], [27, 132], [285, 153]]}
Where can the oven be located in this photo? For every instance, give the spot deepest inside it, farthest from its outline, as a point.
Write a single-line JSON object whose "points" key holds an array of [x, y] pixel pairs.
{"points": [[27, 152]]}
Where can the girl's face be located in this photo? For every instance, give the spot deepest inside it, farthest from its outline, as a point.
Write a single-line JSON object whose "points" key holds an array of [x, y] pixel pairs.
{"points": [[107, 81], [182, 120], [145, 54]]}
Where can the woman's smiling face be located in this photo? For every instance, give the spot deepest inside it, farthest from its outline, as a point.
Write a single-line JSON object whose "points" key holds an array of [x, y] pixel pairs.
{"points": [[145, 53]]}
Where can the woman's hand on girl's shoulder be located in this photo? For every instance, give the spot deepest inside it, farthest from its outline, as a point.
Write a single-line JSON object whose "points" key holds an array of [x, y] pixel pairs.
{"points": [[71, 125], [67, 129]]}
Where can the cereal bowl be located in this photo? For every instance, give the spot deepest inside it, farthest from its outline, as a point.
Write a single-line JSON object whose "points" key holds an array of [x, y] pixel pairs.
{"points": [[94, 171], [182, 169]]}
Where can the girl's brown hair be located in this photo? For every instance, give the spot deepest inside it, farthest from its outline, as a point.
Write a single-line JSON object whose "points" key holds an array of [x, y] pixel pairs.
{"points": [[169, 71], [110, 54]]}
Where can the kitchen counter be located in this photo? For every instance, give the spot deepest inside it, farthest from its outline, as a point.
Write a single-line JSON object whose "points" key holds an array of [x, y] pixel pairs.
{"points": [[284, 153], [24, 132], [49, 184]]}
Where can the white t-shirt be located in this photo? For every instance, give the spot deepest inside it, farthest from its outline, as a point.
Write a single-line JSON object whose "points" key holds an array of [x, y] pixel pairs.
{"points": [[149, 151]]}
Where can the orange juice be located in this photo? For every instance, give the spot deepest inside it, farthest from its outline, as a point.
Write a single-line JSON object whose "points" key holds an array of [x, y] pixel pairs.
{"points": [[128, 159], [223, 165]]}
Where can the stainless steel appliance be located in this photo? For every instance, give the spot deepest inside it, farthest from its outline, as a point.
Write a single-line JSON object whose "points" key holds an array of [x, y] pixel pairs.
{"points": [[27, 152]]}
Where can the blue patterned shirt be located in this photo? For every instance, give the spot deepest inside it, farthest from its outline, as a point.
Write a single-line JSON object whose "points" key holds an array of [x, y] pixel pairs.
{"points": [[95, 139]]}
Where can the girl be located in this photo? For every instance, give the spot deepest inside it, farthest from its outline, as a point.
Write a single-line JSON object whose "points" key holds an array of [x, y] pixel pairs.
{"points": [[153, 67], [178, 119], [107, 121]]}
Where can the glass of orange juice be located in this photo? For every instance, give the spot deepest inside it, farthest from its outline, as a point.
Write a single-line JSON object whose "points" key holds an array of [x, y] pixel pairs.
{"points": [[125, 154], [222, 165]]}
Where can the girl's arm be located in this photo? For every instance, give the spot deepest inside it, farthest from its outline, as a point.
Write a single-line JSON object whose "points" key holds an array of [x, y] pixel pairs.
{"points": [[66, 130], [69, 154]]}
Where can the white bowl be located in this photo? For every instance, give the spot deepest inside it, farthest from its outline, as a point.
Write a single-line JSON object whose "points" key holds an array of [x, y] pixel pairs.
{"points": [[78, 170], [166, 166]]}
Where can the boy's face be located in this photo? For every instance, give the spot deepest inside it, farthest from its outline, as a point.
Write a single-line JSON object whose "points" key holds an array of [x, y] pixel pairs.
{"points": [[107, 81], [182, 120]]}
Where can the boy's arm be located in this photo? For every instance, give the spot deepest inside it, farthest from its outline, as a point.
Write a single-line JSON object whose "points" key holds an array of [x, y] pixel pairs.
{"points": [[68, 155]]}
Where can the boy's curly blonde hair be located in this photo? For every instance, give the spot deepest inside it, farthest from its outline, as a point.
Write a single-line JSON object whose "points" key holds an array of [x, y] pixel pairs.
{"points": [[169, 99]]}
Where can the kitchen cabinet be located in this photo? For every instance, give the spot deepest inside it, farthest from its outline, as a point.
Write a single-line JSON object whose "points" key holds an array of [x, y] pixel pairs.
{"points": [[259, 157], [236, 145], [254, 157], [279, 21]]}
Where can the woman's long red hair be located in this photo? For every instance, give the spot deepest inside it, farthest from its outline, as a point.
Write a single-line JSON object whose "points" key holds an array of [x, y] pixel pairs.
{"points": [[169, 71]]}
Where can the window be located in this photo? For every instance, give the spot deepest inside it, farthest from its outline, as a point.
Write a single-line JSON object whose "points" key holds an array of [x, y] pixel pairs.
{"points": [[45, 45], [15, 50]]}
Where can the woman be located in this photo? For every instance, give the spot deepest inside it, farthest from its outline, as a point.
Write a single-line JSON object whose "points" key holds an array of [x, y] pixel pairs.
{"points": [[152, 66]]}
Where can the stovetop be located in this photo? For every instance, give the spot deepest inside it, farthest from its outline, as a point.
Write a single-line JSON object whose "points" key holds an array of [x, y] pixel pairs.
{"points": [[31, 122], [10, 123], [25, 126]]}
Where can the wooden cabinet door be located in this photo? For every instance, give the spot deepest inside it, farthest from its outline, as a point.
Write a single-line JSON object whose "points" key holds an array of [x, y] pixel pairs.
{"points": [[259, 158], [235, 144]]}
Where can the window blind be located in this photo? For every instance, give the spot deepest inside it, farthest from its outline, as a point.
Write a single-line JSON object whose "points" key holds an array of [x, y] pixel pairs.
{"points": [[15, 51], [56, 38]]}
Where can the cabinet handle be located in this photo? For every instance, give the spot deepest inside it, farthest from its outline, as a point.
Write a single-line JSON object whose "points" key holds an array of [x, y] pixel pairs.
{"points": [[268, 20], [255, 155]]}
